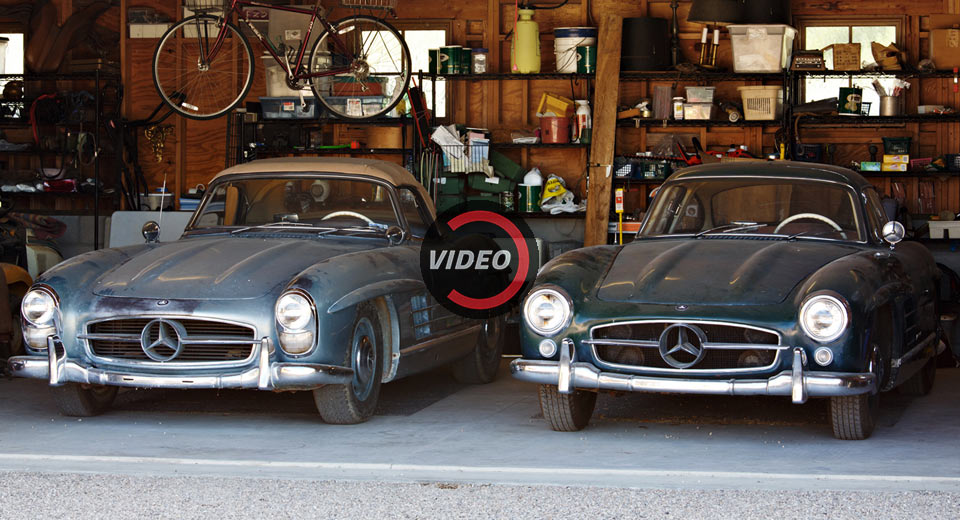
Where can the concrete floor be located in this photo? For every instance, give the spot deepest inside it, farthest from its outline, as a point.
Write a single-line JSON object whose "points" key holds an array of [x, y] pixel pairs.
{"points": [[430, 428]]}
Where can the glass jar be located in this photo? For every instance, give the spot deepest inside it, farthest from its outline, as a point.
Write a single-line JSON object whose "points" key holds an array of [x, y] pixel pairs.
{"points": [[678, 108], [478, 62]]}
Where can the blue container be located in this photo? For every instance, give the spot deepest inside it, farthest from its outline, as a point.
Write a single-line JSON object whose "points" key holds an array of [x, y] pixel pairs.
{"points": [[288, 107]]}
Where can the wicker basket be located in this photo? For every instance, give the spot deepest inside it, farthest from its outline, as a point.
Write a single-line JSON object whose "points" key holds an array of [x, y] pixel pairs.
{"points": [[207, 5], [370, 4]]}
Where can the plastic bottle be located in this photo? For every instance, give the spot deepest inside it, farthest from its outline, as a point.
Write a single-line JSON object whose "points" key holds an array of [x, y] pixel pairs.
{"points": [[584, 124], [525, 45]]}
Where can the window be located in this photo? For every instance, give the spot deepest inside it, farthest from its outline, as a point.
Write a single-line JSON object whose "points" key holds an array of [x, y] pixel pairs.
{"points": [[875, 214], [412, 209], [821, 34], [420, 40]]}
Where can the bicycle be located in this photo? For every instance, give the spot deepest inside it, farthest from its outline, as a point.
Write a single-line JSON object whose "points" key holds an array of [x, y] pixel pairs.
{"points": [[358, 68]]}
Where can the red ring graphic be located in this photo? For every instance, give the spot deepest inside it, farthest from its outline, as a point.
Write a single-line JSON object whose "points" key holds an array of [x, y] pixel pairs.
{"points": [[523, 266]]}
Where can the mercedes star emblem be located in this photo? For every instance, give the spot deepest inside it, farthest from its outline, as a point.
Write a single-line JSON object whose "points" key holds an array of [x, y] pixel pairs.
{"points": [[685, 340], [161, 340]]}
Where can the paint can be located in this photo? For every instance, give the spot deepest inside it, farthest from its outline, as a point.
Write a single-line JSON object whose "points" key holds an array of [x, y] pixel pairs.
{"points": [[586, 59], [449, 60], [434, 61]]}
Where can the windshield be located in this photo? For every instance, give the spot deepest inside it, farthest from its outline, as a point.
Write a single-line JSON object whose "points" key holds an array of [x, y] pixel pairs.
{"points": [[787, 207], [307, 202]]}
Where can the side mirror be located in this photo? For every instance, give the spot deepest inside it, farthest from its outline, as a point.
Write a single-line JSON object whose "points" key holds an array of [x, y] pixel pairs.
{"points": [[893, 232], [395, 235], [151, 231]]}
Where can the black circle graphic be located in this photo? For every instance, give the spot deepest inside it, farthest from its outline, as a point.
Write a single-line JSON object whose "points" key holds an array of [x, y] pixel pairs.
{"points": [[477, 261]]}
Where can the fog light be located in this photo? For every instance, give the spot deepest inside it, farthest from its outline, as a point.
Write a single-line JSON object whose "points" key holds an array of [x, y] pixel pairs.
{"points": [[296, 343], [36, 338], [823, 356], [548, 348]]}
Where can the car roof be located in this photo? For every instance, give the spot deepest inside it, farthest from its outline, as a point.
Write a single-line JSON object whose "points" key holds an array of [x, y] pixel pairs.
{"points": [[775, 169], [388, 172]]}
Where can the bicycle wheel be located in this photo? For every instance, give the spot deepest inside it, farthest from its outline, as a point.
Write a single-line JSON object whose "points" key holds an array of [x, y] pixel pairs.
{"points": [[192, 82], [361, 69]]}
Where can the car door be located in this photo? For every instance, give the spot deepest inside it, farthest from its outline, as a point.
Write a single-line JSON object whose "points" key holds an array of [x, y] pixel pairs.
{"points": [[906, 267], [428, 329]]}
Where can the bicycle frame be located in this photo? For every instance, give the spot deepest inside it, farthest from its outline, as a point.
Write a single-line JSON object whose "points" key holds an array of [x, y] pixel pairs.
{"points": [[315, 14]]}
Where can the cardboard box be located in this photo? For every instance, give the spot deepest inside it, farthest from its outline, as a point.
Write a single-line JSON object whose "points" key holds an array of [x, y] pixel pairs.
{"points": [[945, 40], [893, 167], [896, 158]]}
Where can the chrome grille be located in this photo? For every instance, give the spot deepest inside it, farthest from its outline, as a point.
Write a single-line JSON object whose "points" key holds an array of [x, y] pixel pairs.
{"points": [[205, 341], [729, 348]]}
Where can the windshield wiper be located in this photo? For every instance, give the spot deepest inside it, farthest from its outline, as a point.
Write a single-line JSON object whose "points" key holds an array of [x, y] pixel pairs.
{"points": [[729, 228], [299, 225], [808, 234]]}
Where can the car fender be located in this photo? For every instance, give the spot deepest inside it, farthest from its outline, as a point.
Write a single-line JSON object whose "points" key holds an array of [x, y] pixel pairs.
{"points": [[337, 285]]}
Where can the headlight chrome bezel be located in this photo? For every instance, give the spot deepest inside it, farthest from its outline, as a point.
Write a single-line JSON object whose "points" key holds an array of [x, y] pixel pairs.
{"points": [[834, 299], [307, 334], [557, 293], [310, 316], [53, 320]]}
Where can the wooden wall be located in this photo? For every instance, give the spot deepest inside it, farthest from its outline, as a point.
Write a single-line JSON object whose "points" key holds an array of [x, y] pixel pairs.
{"points": [[197, 150]]}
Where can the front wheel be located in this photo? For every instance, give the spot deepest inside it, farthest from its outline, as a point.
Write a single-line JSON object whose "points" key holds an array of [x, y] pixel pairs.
{"points": [[566, 412], [355, 402], [196, 78], [76, 400], [360, 69], [854, 417]]}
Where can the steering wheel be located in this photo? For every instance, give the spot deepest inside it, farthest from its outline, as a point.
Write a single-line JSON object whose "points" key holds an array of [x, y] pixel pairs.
{"points": [[353, 214], [815, 216]]}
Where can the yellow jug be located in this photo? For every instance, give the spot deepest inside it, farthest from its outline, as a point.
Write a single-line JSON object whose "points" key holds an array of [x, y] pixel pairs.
{"points": [[525, 45]]}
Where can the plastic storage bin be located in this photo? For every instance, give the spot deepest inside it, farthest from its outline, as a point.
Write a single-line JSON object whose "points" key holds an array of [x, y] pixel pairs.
{"points": [[761, 103], [761, 48], [944, 228], [896, 145], [288, 108], [700, 94]]}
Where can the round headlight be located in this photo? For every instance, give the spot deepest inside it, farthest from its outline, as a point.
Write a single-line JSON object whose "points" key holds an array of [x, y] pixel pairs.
{"points": [[294, 312], [546, 311], [38, 308], [823, 318]]}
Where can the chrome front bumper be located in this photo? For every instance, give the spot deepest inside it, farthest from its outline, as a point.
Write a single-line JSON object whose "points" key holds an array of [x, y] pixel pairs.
{"points": [[267, 375], [568, 375]]}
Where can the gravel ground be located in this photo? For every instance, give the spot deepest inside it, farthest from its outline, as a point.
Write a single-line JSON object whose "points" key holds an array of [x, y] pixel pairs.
{"points": [[41, 495]]}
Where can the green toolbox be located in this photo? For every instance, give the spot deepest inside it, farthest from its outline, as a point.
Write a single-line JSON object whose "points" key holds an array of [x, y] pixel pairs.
{"points": [[452, 184], [506, 167], [495, 184]]}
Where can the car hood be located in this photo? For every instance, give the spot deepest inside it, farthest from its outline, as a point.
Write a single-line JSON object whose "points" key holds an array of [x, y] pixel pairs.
{"points": [[218, 268], [714, 271]]}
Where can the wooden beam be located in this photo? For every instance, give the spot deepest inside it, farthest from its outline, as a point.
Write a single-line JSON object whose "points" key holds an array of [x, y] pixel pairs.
{"points": [[604, 142]]}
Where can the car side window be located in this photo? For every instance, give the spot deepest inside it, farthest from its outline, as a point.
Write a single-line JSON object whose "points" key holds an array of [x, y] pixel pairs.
{"points": [[876, 217], [413, 210]]}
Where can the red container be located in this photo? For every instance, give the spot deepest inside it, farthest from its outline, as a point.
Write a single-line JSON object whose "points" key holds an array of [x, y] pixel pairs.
{"points": [[554, 130]]}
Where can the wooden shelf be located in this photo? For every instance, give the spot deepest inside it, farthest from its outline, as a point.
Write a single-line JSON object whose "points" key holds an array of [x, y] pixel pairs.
{"points": [[878, 120], [667, 123], [921, 175], [500, 76], [897, 73], [338, 151], [672, 75]]}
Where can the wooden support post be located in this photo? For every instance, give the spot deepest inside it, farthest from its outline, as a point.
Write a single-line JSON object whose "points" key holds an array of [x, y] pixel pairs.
{"points": [[606, 97]]}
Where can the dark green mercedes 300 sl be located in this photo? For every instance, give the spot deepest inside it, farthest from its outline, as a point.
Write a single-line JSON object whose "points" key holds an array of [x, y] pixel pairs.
{"points": [[782, 279]]}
